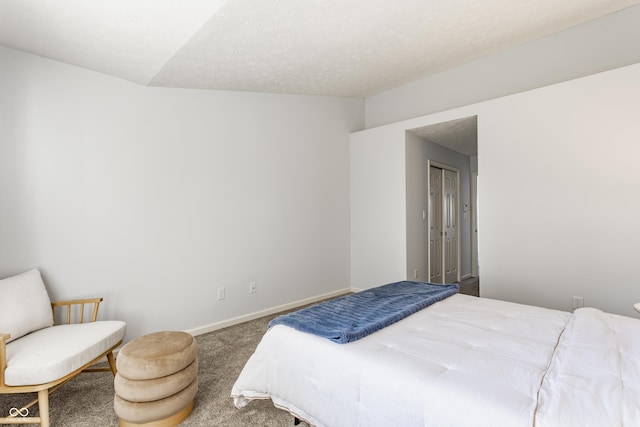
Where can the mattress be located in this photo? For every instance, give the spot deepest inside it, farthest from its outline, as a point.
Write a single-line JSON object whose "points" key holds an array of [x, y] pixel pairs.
{"points": [[462, 361]]}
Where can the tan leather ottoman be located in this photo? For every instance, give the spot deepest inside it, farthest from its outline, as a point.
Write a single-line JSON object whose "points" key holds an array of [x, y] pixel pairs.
{"points": [[157, 380]]}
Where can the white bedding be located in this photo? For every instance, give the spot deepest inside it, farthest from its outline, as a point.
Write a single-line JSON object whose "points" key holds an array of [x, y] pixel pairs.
{"points": [[594, 378], [462, 361]]}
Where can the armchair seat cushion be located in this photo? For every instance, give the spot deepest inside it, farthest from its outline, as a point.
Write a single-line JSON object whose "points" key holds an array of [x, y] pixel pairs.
{"points": [[51, 353]]}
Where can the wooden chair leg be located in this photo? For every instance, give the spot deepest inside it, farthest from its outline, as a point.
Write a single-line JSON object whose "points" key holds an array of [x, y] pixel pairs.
{"points": [[43, 407], [112, 363]]}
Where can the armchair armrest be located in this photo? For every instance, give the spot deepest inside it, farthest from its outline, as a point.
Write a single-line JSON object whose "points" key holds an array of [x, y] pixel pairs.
{"points": [[3, 356], [79, 305]]}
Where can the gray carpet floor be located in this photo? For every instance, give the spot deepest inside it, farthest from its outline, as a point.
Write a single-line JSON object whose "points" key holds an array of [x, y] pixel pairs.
{"points": [[87, 400], [470, 286]]}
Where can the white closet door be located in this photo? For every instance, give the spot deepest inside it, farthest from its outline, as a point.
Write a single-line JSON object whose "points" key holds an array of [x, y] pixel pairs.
{"points": [[450, 225], [435, 224]]}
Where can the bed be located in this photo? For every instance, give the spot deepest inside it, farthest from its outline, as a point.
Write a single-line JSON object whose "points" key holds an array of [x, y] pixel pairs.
{"points": [[462, 361]]}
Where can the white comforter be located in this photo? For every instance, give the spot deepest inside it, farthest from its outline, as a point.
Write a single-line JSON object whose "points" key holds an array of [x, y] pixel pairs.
{"points": [[594, 377], [464, 361]]}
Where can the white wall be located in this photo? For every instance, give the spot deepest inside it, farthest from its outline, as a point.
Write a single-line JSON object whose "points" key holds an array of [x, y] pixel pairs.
{"points": [[558, 215], [606, 43], [378, 208], [417, 173], [558, 179], [154, 198]]}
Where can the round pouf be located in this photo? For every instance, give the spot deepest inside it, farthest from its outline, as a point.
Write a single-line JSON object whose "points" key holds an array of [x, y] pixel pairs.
{"points": [[157, 379]]}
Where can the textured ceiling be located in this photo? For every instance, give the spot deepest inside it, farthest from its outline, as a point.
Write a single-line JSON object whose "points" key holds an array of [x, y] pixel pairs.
{"points": [[318, 47], [460, 135]]}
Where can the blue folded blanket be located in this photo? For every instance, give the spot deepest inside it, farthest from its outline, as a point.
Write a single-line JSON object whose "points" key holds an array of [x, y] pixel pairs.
{"points": [[355, 316]]}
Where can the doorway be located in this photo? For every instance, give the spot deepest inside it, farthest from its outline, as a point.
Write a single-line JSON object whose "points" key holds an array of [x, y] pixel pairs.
{"points": [[453, 146], [444, 219]]}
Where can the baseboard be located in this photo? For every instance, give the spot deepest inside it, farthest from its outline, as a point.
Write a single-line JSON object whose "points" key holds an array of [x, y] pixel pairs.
{"points": [[258, 314]]}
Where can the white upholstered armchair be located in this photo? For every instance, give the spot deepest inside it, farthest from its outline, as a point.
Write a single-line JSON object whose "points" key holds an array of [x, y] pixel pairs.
{"points": [[37, 355]]}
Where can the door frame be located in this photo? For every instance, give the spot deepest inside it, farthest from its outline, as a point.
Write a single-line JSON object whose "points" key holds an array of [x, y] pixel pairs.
{"points": [[439, 165], [474, 225]]}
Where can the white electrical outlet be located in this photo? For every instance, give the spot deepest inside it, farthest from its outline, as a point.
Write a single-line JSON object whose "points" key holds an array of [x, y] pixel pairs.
{"points": [[252, 287], [415, 273], [221, 293], [578, 302]]}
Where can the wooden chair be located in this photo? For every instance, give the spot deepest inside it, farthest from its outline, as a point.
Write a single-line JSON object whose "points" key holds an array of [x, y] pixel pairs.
{"points": [[64, 349]]}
